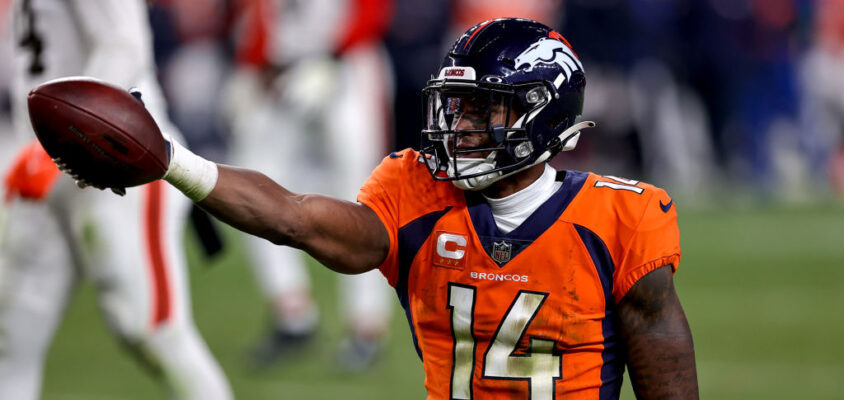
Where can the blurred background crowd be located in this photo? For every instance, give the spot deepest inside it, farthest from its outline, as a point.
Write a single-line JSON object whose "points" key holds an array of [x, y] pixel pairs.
{"points": [[705, 97]]}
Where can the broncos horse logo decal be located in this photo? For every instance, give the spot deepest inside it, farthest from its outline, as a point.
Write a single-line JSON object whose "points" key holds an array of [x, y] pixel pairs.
{"points": [[549, 51]]}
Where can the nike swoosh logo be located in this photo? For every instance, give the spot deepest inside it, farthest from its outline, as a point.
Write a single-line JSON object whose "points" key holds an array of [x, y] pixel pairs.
{"points": [[396, 155], [666, 207]]}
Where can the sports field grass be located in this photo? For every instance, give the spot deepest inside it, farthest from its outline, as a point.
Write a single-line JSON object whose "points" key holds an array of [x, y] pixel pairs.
{"points": [[763, 290]]}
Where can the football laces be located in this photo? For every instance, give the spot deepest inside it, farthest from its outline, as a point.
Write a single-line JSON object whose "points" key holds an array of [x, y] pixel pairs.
{"points": [[82, 183]]}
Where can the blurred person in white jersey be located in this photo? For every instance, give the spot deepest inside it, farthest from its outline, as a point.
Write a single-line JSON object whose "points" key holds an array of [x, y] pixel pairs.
{"points": [[313, 92], [55, 233], [8, 142]]}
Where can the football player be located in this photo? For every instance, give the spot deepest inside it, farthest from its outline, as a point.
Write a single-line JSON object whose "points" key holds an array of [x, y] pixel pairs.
{"points": [[321, 126], [55, 233], [518, 281]]}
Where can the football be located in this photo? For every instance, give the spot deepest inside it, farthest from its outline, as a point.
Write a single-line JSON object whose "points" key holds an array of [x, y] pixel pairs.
{"points": [[97, 132]]}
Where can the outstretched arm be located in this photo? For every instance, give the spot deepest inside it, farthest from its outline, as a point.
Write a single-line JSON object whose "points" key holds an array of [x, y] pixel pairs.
{"points": [[346, 237], [661, 356]]}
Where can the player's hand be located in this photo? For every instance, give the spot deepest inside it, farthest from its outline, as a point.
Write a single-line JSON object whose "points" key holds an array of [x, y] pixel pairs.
{"points": [[81, 182], [192, 174], [103, 136], [136, 93], [99, 134]]}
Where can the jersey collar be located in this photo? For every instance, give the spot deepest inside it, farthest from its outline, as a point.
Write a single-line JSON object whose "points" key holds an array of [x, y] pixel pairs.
{"points": [[536, 224]]}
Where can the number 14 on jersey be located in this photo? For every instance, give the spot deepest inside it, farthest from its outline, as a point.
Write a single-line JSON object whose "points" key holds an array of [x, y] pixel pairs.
{"points": [[540, 366]]}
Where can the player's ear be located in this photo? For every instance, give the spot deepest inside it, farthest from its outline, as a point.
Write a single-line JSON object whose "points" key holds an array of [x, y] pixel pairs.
{"points": [[136, 93]]}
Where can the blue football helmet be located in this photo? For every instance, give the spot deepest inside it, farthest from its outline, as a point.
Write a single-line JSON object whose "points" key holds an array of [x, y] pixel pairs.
{"points": [[516, 83]]}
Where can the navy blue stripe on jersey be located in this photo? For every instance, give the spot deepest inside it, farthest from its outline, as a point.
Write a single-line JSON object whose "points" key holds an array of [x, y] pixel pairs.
{"points": [[410, 238], [600, 257], [612, 372], [536, 224]]}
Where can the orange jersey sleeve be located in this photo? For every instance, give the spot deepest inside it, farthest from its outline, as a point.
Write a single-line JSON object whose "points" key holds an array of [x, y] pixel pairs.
{"points": [[381, 193], [637, 223], [655, 242], [401, 191]]}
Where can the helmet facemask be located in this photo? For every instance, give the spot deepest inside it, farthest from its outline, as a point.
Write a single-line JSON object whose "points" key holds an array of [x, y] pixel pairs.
{"points": [[475, 133]]}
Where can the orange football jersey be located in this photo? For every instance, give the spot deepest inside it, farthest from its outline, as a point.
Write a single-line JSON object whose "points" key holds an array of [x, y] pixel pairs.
{"points": [[530, 314]]}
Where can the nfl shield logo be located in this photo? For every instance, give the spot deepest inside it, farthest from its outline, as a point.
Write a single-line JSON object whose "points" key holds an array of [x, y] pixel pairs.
{"points": [[501, 251]]}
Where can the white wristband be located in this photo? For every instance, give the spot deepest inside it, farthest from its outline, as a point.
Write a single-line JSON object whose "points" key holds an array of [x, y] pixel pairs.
{"points": [[190, 173]]}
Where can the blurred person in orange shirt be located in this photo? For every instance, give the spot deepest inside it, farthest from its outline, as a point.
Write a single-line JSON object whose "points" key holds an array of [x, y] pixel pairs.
{"points": [[469, 12]]}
